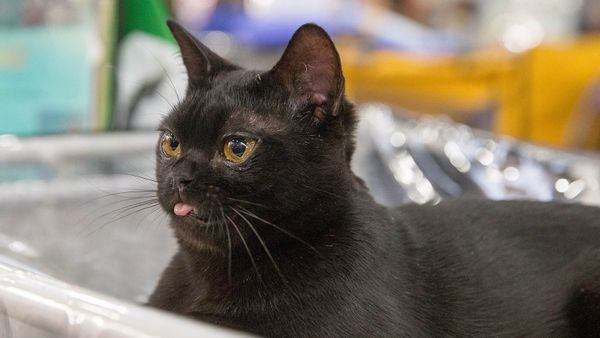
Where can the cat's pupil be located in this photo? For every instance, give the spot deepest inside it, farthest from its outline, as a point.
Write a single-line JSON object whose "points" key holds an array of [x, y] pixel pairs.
{"points": [[173, 143], [238, 147]]}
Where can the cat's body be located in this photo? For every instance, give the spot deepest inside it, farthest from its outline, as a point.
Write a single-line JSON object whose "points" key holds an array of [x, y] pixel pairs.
{"points": [[460, 269], [286, 241]]}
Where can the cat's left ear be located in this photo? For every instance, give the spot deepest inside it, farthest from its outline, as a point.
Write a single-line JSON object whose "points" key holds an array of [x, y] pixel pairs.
{"points": [[201, 63], [311, 70]]}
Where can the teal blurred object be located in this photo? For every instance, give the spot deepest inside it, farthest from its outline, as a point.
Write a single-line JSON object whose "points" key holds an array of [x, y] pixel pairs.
{"points": [[8, 11], [53, 58], [46, 80]]}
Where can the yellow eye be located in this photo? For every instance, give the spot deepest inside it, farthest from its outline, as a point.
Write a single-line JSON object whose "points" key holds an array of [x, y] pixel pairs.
{"points": [[238, 149], [170, 145]]}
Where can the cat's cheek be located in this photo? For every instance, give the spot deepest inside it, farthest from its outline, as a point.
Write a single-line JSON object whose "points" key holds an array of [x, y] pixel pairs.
{"points": [[239, 167], [167, 196]]}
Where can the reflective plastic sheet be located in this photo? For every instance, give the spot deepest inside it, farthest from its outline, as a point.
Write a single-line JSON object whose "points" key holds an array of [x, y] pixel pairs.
{"points": [[424, 160]]}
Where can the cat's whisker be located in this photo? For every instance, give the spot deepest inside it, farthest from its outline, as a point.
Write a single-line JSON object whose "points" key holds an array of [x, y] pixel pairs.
{"points": [[107, 193], [128, 207], [165, 99], [229, 279], [246, 246], [160, 221], [210, 218], [228, 243], [206, 229], [246, 202], [121, 198], [228, 253], [251, 214], [262, 243], [136, 209], [148, 215], [323, 191], [141, 201], [141, 177], [127, 192], [138, 201], [168, 77], [163, 220]]}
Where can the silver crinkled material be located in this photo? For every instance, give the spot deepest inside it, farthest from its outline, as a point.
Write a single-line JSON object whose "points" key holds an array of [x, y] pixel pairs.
{"points": [[424, 160]]}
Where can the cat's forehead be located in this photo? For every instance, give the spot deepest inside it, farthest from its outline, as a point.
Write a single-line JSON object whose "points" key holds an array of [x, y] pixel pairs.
{"points": [[234, 102]]}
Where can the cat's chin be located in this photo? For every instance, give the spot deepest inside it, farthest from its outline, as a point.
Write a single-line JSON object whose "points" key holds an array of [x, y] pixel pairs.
{"points": [[199, 234], [194, 219], [204, 221]]}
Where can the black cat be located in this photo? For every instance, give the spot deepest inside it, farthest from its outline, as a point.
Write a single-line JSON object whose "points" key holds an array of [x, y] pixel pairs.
{"points": [[278, 237]]}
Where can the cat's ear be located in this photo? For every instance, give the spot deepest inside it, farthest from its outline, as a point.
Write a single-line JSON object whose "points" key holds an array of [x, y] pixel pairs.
{"points": [[201, 63], [311, 70]]}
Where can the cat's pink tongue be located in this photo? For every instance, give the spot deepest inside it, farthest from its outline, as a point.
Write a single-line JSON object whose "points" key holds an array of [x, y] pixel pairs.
{"points": [[182, 209]]}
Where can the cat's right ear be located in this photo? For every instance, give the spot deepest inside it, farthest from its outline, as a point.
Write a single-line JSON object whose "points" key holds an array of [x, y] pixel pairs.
{"points": [[310, 68], [201, 63]]}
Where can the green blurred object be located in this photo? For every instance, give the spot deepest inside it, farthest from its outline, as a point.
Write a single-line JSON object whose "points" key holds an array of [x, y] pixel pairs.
{"points": [[145, 16]]}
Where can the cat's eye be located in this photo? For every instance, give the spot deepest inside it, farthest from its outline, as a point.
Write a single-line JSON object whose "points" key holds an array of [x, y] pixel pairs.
{"points": [[170, 145], [237, 149]]}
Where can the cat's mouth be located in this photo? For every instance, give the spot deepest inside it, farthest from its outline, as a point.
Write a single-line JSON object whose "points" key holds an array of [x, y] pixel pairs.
{"points": [[186, 210]]}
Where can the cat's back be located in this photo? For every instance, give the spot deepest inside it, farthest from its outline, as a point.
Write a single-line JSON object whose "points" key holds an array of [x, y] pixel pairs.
{"points": [[484, 232], [512, 268], [481, 220]]}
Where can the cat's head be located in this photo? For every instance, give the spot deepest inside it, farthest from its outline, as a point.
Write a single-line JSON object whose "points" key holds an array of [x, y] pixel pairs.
{"points": [[247, 145]]}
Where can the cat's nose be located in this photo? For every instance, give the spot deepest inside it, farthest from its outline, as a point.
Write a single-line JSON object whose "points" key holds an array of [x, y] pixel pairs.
{"points": [[183, 182]]}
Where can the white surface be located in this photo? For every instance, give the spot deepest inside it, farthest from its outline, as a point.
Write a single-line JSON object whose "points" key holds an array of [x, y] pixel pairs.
{"points": [[53, 149], [69, 311]]}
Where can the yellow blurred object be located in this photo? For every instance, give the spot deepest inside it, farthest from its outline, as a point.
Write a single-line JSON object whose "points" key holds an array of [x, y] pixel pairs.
{"points": [[533, 94], [584, 128]]}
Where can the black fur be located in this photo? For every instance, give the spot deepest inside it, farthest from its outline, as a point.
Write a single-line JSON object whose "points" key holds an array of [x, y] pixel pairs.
{"points": [[338, 264]]}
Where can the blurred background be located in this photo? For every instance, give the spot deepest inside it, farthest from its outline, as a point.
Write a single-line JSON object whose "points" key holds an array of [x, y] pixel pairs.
{"points": [[524, 68], [494, 99]]}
